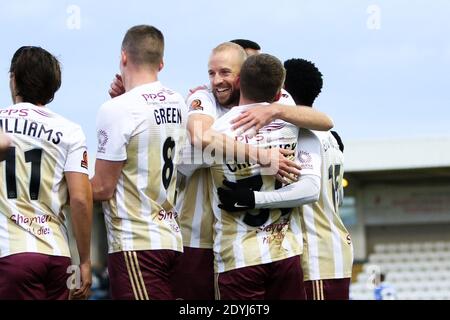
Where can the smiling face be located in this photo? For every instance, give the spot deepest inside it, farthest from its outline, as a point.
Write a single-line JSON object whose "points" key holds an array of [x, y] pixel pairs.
{"points": [[224, 68]]}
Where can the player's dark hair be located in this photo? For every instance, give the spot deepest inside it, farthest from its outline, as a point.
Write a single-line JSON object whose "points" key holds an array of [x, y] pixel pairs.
{"points": [[303, 81], [144, 45], [37, 75], [247, 44], [262, 77]]}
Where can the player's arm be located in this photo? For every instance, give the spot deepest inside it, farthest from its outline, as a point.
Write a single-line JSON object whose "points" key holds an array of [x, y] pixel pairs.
{"points": [[275, 158], [203, 136], [307, 189], [188, 161], [105, 180], [198, 125], [4, 144], [304, 191], [236, 198], [194, 90], [81, 213], [302, 117], [80, 201]]}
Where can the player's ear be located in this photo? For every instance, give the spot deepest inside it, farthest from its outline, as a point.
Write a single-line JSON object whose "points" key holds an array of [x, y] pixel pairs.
{"points": [[123, 58], [238, 82], [12, 87], [278, 96], [12, 82], [161, 65]]}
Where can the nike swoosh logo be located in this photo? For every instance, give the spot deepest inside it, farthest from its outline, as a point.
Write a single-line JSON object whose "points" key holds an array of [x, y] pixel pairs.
{"points": [[236, 205]]}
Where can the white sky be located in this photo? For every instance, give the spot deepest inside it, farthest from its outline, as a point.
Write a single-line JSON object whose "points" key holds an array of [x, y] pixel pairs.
{"points": [[379, 83]]}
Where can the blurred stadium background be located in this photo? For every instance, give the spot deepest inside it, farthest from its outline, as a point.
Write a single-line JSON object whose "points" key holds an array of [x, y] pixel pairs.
{"points": [[397, 209]]}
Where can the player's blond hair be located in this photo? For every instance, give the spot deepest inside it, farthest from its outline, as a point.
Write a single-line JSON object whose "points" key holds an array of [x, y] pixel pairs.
{"points": [[230, 46]]}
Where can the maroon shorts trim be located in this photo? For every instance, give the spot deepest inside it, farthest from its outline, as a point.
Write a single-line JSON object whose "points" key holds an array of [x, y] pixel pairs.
{"points": [[280, 280], [328, 289], [34, 276], [141, 275], [193, 275]]}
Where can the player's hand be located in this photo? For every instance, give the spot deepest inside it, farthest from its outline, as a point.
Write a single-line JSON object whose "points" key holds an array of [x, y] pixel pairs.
{"points": [[117, 88], [194, 90], [236, 198], [278, 162], [86, 281], [288, 170], [255, 119]]}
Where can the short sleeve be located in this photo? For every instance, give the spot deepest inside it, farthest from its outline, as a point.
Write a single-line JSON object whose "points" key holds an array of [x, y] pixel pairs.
{"points": [[114, 129], [309, 153], [286, 98], [202, 102], [77, 156]]}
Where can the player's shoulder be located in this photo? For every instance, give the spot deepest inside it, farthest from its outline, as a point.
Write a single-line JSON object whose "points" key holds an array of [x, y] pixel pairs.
{"points": [[232, 113], [169, 94], [70, 125], [202, 94], [322, 135], [55, 118], [116, 102], [286, 98], [320, 139], [151, 93], [328, 141], [312, 134], [198, 100]]}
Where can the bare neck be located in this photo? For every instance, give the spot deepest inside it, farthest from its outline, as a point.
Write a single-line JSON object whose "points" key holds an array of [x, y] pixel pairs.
{"points": [[138, 78], [19, 99], [244, 101]]}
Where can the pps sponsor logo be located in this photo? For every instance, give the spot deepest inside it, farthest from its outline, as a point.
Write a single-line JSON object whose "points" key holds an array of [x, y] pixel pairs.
{"points": [[152, 97], [14, 112]]}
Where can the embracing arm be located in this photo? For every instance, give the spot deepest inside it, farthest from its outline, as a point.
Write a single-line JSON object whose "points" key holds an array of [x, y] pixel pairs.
{"points": [[303, 117], [305, 190], [203, 136], [235, 197]]}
